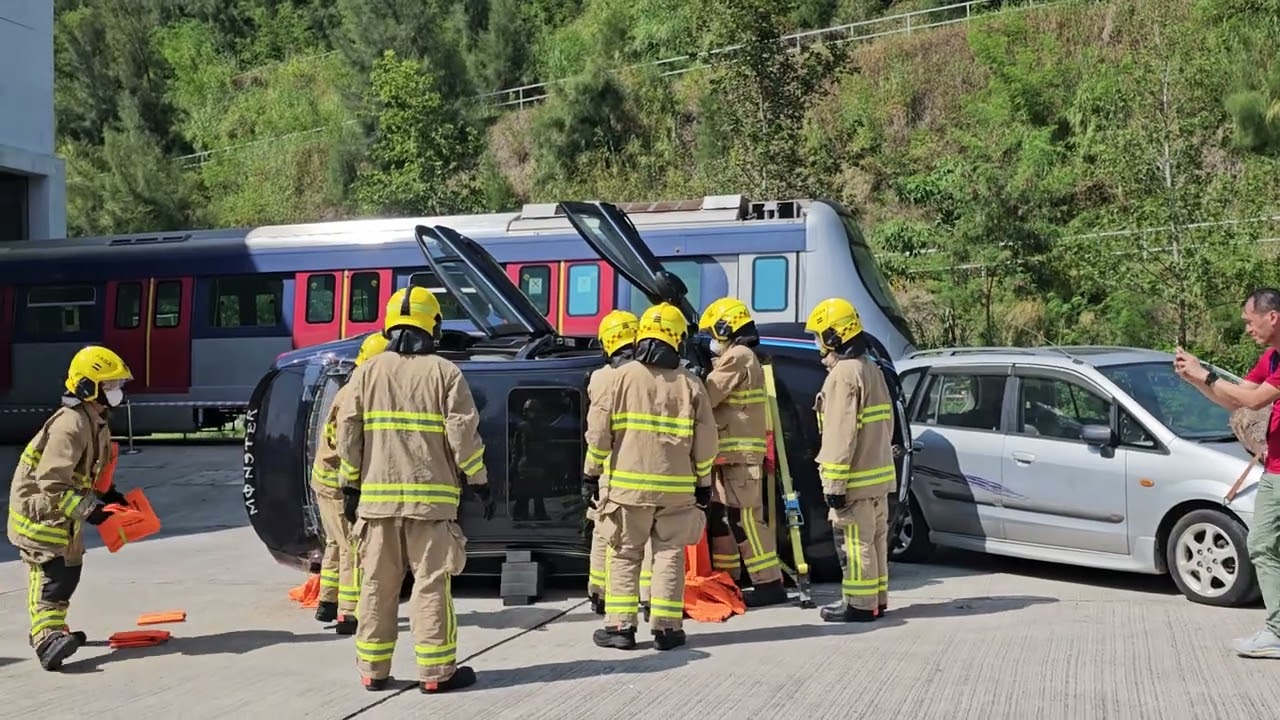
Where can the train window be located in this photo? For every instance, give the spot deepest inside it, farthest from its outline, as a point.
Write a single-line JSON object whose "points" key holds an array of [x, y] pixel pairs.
{"points": [[168, 309], [689, 271], [450, 309], [246, 301], [55, 309], [544, 456], [769, 284], [128, 305], [363, 304], [584, 290], [320, 292], [535, 282]]}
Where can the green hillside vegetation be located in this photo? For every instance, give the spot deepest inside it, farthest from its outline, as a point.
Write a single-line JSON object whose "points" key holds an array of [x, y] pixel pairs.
{"points": [[1082, 172]]}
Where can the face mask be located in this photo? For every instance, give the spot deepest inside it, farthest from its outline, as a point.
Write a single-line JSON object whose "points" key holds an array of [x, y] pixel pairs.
{"points": [[114, 397], [829, 360], [716, 347]]}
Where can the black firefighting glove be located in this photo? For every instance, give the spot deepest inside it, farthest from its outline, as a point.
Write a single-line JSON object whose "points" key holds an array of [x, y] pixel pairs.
{"points": [[350, 501], [835, 502], [590, 490], [98, 515], [702, 496], [114, 497], [486, 496]]}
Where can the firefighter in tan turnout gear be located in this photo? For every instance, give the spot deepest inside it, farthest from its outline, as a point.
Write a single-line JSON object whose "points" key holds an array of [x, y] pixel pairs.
{"points": [[855, 461], [654, 423], [617, 335], [408, 435], [52, 496], [735, 385], [339, 587]]}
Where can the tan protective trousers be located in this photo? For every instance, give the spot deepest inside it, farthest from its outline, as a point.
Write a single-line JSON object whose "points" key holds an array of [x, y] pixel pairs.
{"points": [[52, 578], [750, 542], [339, 581], [627, 528], [434, 550], [862, 543], [600, 559]]}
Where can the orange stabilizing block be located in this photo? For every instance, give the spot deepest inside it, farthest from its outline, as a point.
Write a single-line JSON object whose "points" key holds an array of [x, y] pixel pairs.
{"points": [[108, 474], [159, 618], [308, 593], [709, 595], [138, 638], [129, 523]]}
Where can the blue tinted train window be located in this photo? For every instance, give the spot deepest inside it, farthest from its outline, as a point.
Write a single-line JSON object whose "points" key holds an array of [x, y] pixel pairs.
{"points": [[769, 284], [689, 271], [584, 290], [246, 301]]}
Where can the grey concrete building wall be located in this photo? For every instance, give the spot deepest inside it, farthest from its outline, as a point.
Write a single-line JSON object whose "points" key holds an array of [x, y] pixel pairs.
{"points": [[32, 178]]}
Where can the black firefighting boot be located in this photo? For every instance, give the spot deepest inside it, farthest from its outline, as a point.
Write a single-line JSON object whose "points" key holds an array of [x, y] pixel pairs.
{"points": [[462, 677], [644, 611], [327, 611], [54, 649], [346, 625], [597, 604], [840, 611], [668, 639], [883, 609], [375, 684], [764, 594], [622, 637]]}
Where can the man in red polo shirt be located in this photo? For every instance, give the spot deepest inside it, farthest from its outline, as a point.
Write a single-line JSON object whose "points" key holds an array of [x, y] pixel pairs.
{"points": [[1261, 388]]}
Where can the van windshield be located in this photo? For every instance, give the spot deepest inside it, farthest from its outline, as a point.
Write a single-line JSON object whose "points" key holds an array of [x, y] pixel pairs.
{"points": [[1173, 401]]}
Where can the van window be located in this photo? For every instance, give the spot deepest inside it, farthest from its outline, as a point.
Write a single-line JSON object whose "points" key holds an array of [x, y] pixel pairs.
{"points": [[584, 290], [769, 284]]}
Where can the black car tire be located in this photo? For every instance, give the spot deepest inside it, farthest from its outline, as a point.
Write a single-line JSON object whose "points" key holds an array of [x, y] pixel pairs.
{"points": [[1191, 538], [910, 543]]}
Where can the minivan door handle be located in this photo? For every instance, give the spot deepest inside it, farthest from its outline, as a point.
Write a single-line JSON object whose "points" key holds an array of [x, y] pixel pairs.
{"points": [[1025, 458]]}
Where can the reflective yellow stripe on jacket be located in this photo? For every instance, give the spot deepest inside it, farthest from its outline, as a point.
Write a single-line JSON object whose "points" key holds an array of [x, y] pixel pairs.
{"points": [[746, 397], [875, 413], [742, 444], [410, 493], [654, 483], [403, 420], [325, 476], [681, 427], [858, 478], [33, 530], [31, 457]]}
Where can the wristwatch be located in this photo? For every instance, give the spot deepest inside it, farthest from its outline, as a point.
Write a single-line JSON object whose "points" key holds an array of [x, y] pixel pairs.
{"points": [[1210, 379]]}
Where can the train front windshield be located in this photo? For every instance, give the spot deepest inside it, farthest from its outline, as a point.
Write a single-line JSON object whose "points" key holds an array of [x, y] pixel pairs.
{"points": [[864, 262]]}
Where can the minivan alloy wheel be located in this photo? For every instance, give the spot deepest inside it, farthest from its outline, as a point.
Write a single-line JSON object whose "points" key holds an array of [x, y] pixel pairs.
{"points": [[1207, 559]]}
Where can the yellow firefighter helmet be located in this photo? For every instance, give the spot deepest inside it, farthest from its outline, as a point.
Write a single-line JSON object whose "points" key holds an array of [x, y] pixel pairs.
{"points": [[372, 345], [663, 322], [617, 330], [724, 316], [93, 367], [413, 307], [833, 322]]}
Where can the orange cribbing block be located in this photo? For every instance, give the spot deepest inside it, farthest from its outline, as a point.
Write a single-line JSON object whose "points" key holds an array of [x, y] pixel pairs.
{"points": [[138, 638], [308, 593], [159, 618], [129, 523], [709, 595], [107, 476], [770, 452]]}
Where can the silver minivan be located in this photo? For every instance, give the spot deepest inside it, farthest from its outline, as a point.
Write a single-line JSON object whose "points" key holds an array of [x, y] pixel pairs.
{"points": [[1095, 456]]}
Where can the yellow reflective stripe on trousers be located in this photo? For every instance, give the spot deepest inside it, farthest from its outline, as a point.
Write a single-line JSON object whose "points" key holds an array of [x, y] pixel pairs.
{"points": [[621, 604], [858, 478], [403, 420], [650, 482], [373, 652], [875, 413], [41, 620], [324, 476], [651, 423], [473, 464], [446, 654], [662, 608], [646, 578], [741, 444], [410, 493], [856, 586], [746, 397], [28, 528], [759, 560]]}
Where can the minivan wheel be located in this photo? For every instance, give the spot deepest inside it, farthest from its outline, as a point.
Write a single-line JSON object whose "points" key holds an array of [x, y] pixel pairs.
{"points": [[910, 542], [1208, 559]]}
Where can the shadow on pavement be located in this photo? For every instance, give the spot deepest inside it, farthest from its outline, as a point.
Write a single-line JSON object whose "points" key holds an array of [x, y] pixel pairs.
{"points": [[235, 642], [10, 661], [487, 679], [961, 563]]}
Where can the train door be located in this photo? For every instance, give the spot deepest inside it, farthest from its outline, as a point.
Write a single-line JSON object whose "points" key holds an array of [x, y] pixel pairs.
{"points": [[169, 335], [124, 330], [365, 294], [315, 309], [540, 282], [7, 320], [767, 283]]}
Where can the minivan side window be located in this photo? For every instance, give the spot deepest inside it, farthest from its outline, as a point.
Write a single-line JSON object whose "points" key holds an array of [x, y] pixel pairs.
{"points": [[1055, 408], [971, 402]]}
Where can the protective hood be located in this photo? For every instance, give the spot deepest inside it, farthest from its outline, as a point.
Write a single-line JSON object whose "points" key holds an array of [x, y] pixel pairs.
{"points": [[410, 341], [622, 354], [657, 353], [746, 335]]}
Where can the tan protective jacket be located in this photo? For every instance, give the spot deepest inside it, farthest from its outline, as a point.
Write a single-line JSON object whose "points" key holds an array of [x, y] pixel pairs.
{"points": [[596, 386], [736, 388], [406, 430], [324, 471], [656, 428], [52, 488], [855, 416]]}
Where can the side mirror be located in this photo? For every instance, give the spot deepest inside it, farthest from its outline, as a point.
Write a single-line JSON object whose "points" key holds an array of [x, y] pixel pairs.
{"points": [[1099, 435]]}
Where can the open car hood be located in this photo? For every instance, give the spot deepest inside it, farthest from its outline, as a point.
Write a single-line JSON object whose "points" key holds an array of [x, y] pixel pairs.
{"points": [[477, 282], [609, 231]]}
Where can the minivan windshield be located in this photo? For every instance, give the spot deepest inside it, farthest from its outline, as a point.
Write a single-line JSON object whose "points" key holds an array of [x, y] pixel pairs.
{"points": [[1172, 400]]}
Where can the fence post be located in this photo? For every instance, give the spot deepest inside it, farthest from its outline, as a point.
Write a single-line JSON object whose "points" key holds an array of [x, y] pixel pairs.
{"points": [[128, 411]]}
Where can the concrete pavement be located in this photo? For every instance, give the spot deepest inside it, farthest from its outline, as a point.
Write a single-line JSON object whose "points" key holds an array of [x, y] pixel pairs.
{"points": [[969, 637]]}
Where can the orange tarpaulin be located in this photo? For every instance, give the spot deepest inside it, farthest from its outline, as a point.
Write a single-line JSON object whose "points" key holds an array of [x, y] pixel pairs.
{"points": [[709, 595], [308, 593]]}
